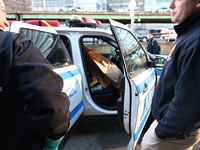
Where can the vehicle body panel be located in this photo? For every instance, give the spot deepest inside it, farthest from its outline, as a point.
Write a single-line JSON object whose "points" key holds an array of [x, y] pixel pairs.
{"points": [[125, 52], [139, 78], [90, 107], [70, 73]]}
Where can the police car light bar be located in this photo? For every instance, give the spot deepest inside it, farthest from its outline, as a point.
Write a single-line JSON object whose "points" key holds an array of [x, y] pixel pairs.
{"points": [[48, 23], [78, 21]]}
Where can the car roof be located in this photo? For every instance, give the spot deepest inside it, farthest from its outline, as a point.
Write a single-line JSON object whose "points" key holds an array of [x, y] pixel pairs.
{"points": [[79, 29]]}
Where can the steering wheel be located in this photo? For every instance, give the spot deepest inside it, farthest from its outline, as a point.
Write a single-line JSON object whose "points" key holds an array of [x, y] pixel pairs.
{"points": [[135, 66], [112, 55]]}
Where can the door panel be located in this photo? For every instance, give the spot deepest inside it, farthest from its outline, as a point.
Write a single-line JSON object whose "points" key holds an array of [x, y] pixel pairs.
{"points": [[139, 82], [72, 87], [53, 49]]}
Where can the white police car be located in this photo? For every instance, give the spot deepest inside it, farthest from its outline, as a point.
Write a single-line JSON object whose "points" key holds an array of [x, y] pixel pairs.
{"points": [[106, 74]]}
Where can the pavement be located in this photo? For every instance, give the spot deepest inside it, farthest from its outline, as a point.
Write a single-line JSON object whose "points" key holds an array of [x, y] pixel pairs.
{"points": [[197, 146], [99, 136], [102, 136]]}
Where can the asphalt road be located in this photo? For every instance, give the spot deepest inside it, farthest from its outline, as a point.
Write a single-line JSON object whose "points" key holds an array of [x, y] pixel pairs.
{"points": [[102, 136], [99, 136]]}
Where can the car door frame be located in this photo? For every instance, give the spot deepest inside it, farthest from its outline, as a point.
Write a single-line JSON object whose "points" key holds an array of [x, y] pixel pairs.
{"points": [[138, 92]]}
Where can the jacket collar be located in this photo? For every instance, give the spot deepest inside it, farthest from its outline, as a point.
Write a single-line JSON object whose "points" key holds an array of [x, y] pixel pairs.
{"points": [[190, 22]]}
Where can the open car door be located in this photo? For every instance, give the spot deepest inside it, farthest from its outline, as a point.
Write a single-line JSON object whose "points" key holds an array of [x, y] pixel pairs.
{"points": [[54, 50], [137, 85]]}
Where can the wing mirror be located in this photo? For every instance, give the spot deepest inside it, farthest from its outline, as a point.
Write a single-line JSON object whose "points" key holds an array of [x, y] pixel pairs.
{"points": [[159, 62]]}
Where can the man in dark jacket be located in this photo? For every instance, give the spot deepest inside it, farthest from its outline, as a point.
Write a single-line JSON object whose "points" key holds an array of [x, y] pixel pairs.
{"points": [[152, 45], [176, 100], [34, 112]]}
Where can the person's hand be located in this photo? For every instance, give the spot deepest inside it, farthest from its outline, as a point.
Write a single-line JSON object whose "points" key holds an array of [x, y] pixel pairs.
{"points": [[51, 144]]}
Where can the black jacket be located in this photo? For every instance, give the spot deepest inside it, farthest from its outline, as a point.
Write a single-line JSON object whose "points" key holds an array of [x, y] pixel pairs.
{"points": [[176, 103], [152, 46], [31, 102]]}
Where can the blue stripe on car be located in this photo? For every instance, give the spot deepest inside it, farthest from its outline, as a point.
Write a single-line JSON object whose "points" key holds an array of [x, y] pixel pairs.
{"points": [[72, 94], [145, 82], [76, 109], [68, 74], [137, 133], [158, 72]]}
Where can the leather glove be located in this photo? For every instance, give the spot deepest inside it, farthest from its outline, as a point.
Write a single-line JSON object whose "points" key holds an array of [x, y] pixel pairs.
{"points": [[51, 144]]}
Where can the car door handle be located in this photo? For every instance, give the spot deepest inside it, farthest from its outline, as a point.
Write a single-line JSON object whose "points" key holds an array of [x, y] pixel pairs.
{"points": [[145, 89]]}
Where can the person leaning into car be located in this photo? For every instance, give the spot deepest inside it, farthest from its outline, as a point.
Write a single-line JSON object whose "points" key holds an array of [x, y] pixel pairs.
{"points": [[33, 110], [176, 103]]}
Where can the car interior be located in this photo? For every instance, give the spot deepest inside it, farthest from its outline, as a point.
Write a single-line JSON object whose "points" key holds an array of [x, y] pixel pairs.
{"points": [[103, 69]]}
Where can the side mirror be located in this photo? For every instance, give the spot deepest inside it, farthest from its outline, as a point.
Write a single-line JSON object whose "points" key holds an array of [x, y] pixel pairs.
{"points": [[159, 62]]}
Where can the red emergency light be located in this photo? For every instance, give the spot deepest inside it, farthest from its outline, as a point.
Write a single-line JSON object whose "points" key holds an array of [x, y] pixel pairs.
{"points": [[49, 23]]}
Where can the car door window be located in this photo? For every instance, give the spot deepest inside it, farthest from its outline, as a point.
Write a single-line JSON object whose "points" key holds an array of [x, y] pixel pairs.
{"points": [[99, 45], [134, 55], [106, 47], [50, 46]]}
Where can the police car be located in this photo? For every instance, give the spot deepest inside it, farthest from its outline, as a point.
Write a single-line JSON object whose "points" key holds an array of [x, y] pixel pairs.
{"points": [[105, 73]]}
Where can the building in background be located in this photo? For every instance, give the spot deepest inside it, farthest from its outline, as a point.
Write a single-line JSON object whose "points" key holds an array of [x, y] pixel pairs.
{"points": [[47, 5], [67, 5], [98, 5], [18, 5], [86, 6], [156, 5], [94, 6]]}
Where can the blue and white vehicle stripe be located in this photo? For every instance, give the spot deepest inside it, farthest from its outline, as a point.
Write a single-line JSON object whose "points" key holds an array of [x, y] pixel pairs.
{"points": [[147, 81], [72, 87], [141, 104]]}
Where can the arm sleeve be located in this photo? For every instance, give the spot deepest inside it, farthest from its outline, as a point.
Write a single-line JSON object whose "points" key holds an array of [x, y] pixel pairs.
{"points": [[183, 112], [47, 106], [155, 47]]}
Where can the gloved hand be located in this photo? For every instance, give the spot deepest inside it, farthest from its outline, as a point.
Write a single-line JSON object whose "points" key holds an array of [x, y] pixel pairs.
{"points": [[51, 144]]}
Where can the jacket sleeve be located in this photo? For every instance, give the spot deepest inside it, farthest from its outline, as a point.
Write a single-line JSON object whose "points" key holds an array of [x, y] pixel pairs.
{"points": [[155, 47], [47, 106], [183, 112]]}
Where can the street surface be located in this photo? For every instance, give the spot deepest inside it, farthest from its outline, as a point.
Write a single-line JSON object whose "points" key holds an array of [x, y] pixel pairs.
{"points": [[101, 136]]}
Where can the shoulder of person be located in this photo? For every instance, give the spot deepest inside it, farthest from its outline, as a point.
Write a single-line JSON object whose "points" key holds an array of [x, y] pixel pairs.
{"points": [[17, 37], [6, 36], [9, 35], [154, 40], [12, 40]]}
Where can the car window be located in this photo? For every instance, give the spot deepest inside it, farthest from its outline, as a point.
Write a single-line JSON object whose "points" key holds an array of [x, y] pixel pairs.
{"points": [[99, 45], [134, 55], [50, 46]]}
